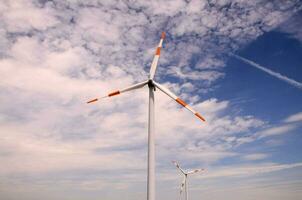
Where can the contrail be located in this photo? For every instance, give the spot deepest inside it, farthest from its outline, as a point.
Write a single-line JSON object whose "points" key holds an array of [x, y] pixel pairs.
{"points": [[275, 74]]}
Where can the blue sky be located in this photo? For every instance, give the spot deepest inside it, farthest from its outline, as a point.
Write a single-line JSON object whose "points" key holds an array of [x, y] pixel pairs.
{"points": [[55, 55]]}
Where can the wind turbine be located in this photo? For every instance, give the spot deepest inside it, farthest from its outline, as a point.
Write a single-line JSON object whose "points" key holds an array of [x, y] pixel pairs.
{"points": [[184, 183], [152, 85]]}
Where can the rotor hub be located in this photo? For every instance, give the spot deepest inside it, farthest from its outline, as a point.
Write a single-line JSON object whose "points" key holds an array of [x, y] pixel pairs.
{"points": [[151, 84]]}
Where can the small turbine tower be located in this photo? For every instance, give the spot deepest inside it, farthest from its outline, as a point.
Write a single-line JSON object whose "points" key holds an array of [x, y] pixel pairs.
{"points": [[152, 85], [184, 183]]}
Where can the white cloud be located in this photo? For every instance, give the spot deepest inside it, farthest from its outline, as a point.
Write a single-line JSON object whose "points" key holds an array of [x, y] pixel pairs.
{"points": [[28, 51], [22, 15], [210, 63], [250, 170], [208, 76], [283, 129], [292, 25], [195, 6], [294, 118], [255, 156]]}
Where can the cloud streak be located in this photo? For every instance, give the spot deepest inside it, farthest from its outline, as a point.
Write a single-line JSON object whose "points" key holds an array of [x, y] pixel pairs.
{"points": [[250, 170], [270, 72], [297, 117]]}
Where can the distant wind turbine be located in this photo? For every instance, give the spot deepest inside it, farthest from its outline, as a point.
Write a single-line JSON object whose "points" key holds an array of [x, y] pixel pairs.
{"points": [[184, 183], [152, 85], [270, 72]]}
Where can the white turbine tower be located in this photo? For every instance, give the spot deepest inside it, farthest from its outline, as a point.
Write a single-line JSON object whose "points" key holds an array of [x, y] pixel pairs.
{"points": [[184, 183], [152, 85]]}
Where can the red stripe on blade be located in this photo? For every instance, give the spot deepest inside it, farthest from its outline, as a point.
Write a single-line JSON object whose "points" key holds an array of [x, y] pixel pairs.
{"points": [[200, 117], [181, 102], [114, 93], [91, 101], [157, 51]]}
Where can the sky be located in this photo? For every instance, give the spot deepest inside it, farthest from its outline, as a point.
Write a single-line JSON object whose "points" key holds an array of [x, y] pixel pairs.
{"points": [[237, 62]]}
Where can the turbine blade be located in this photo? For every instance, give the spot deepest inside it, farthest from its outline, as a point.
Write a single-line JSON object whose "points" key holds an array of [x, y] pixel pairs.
{"points": [[195, 171], [178, 166], [117, 92], [156, 57], [178, 100]]}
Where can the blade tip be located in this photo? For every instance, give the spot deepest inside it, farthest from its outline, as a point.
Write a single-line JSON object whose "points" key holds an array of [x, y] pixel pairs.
{"points": [[163, 35], [200, 117], [91, 101]]}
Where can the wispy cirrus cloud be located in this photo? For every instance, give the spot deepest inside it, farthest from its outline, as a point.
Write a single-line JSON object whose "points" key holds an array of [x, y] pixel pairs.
{"points": [[292, 26], [294, 118], [251, 170], [256, 156], [276, 130]]}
